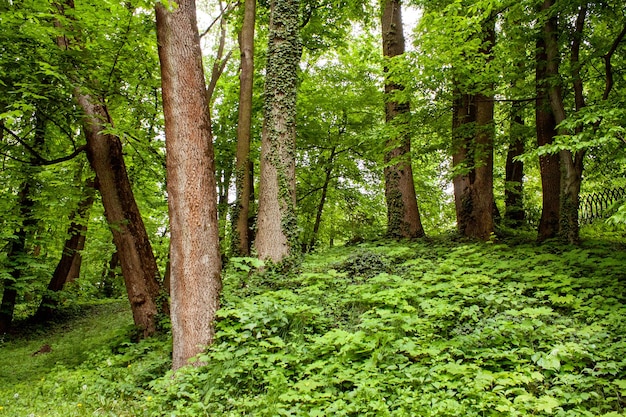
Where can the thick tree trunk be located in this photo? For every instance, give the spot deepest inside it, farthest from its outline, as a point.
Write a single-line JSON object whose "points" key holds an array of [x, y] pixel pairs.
{"points": [[463, 124], [473, 133], [104, 152], [139, 267], [195, 262], [403, 217], [277, 235], [571, 167], [241, 237], [68, 268], [549, 165], [514, 172]]}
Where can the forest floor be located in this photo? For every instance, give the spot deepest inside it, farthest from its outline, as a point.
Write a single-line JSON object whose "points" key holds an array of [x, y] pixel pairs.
{"points": [[438, 327]]}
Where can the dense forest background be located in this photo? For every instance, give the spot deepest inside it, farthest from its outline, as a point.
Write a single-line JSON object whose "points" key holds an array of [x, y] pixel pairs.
{"points": [[142, 152]]}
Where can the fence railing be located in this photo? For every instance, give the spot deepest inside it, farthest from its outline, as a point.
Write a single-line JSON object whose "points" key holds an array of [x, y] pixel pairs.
{"points": [[596, 205]]}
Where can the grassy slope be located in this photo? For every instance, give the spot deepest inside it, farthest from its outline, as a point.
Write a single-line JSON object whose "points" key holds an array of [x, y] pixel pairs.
{"points": [[430, 328]]}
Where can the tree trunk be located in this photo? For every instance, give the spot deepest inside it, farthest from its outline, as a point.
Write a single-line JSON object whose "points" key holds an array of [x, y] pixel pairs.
{"points": [[104, 152], [241, 236], [320, 207], [549, 165], [68, 268], [514, 171], [195, 262], [139, 267], [277, 234], [403, 217], [473, 133], [16, 258], [463, 125], [17, 249], [571, 166]]}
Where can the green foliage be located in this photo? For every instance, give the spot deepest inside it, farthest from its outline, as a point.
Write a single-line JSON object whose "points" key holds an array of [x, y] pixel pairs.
{"points": [[433, 328]]}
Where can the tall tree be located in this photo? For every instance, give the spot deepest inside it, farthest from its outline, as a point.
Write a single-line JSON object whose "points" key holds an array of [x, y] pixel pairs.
{"points": [[277, 234], [195, 263], [473, 135], [403, 217], [549, 165], [105, 155], [243, 171]]}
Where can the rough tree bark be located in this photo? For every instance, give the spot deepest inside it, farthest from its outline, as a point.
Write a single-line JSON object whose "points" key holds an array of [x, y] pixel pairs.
{"points": [[549, 165], [571, 165], [403, 217], [473, 133], [104, 152], [195, 263], [243, 178], [139, 267], [277, 235]]}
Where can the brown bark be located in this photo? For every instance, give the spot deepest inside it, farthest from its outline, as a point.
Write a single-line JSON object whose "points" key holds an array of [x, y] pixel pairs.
{"points": [[571, 164], [514, 171], [549, 165], [473, 133], [277, 234], [195, 263], [243, 178], [104, 152], [139, 267], [68, 268], [403, 217]]}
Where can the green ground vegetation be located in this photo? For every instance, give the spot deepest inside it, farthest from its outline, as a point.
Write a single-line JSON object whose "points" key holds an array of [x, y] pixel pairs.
{"points": [[439, 327]]}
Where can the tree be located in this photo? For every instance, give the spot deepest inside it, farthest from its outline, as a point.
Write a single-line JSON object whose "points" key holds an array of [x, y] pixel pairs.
{"points": [[243, 172], [473, 135], [277, 235], [403, 218], [105, 155], [195, 263]]}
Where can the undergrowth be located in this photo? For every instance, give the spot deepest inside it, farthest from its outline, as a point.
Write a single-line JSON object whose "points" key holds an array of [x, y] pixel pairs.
{"points": [[432, 328]]}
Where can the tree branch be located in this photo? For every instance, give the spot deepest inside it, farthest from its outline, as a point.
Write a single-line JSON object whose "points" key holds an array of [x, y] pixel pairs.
{"points": [[39, 160]]}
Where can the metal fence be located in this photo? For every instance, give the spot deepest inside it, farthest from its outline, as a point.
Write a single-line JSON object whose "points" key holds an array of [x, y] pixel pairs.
{"points": [[597, 205]]}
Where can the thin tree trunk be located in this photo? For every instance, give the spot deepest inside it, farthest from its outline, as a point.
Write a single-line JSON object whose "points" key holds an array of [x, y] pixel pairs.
{"points": [[403, 217], [241, 237], [320, 207], [549, 165], [17, 249], [195, 261], [514, 171], [277, 234], [15, 258], [68, 268]]}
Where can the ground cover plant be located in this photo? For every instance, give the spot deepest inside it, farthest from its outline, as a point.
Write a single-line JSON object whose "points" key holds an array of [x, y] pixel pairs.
{"points": [[437, 327]]}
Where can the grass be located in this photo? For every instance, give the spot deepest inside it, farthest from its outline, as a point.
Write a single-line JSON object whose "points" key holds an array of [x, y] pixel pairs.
{"points": [[431, 328]]}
